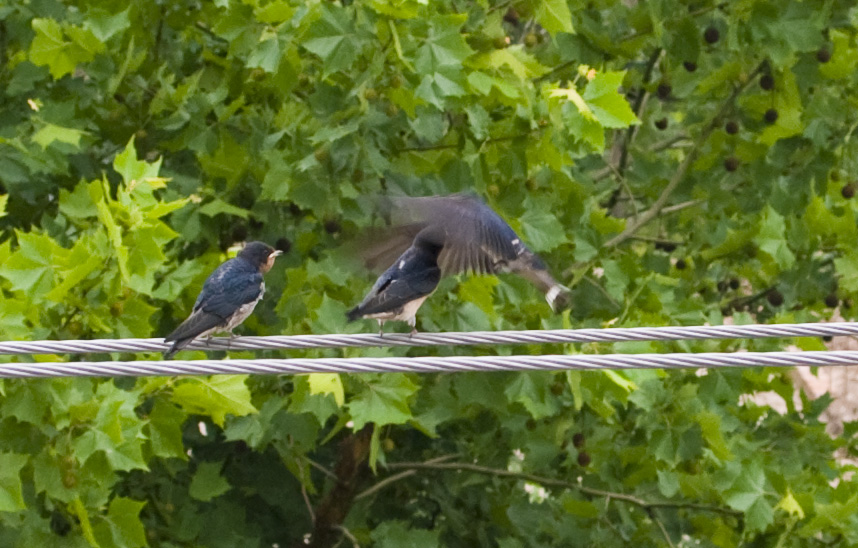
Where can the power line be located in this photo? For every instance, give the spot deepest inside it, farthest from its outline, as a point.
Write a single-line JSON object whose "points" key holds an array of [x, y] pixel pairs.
{"points": [[471, 338], [435, 364]]}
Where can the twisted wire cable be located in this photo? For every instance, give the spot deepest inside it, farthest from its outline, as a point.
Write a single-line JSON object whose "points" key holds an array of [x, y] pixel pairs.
{"points": [[435, 364], [280, 342]]}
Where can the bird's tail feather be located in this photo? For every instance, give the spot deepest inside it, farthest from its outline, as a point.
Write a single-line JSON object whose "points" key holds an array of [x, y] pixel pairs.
{"points": [[177, 345], [197, 324], [353, 314]]}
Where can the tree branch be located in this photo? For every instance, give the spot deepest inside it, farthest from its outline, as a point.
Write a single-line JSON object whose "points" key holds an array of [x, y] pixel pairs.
{"points": [[402, 475], [677, 178], [457, 145], [350, 469], [657, 240], [552, 482], [629, 136], [679, 207]]}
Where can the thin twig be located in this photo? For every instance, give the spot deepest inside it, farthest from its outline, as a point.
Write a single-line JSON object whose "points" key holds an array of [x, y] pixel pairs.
{"points": [[552, 482], [321, 468], [309, 504], [402, 475], [554, 70], [346, 533], [640, 104], [657, 240], [747, 300], [680, 206], [202, 26], [602, 290], [384, 483], [679, 175], [457, 145], [668, 143], [663, 529]]}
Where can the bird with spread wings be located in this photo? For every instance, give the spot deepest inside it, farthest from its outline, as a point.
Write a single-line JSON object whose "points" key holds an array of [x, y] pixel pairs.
{"points": [[473, 239]]}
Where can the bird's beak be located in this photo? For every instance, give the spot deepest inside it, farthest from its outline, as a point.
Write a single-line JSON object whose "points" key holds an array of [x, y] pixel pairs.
{"points": [[270, 262]]}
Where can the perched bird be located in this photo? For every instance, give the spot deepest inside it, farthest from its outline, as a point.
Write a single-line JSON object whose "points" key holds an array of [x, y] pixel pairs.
{"points": [[402, 288], [473, 238], [228, 297]]}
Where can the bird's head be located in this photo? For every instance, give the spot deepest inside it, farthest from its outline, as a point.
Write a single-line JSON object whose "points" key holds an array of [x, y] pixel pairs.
{"points": [[259, 255]]}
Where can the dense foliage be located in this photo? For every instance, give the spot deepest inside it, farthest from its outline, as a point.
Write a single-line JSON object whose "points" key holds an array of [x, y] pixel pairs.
{"points": [[674, 162]]}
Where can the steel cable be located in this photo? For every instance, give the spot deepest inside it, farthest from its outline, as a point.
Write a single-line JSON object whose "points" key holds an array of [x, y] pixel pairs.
{"points": [[554, 336], [435, 364]]}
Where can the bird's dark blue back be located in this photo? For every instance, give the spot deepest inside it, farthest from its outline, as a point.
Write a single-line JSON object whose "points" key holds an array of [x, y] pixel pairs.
{"points": [[413, 275], [232, 284]]}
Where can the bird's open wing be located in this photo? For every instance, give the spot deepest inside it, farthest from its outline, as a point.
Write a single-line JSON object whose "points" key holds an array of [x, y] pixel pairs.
{"points": [[476, 240]]}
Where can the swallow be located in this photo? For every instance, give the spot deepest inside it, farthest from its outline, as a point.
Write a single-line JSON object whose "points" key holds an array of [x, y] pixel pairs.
{"points": [[476, 240], [402, 288], [228, 297]]}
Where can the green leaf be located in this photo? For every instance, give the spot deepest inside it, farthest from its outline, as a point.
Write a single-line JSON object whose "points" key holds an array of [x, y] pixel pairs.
{"points": [[554, 16], [4, 199], [541, 229], [710, 424], [791, 506], [609, 107], [122, 526], [772, 239], [266, 55], [218, 206], [668, 483], [165, 430], [51, 133], [30, 268], [444, 47], [748, 495], [82, 515], [104, 26], [847, 268], [11, 497], [208, 482], [532, 390], [179, 279], [133, 170], [383, 400], [578, 507], [333, 38], [321, 406], [274, 12], [216, 397], [49, 48], [397, 534], [844, 56], [99, 196], [327, 383]]}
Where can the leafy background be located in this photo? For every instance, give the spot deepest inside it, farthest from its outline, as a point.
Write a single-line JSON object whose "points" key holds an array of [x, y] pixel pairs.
{"points": [[675, 162]]}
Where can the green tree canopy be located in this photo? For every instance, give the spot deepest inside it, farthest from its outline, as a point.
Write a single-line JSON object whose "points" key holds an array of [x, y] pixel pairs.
{"points": [[673, 162]]}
